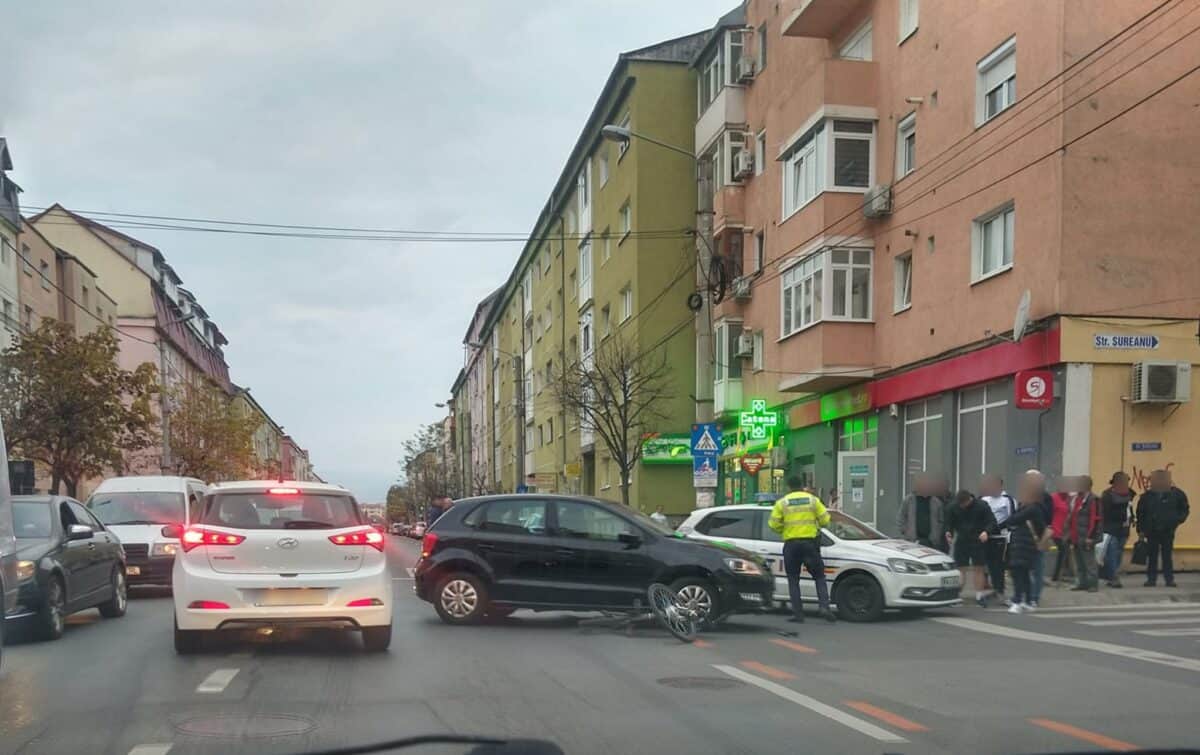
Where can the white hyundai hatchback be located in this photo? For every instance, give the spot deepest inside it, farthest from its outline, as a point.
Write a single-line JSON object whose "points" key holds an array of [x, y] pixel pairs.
{"points": [[270, 554]]}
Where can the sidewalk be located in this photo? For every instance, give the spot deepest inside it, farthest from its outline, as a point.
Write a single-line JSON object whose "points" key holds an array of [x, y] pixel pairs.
{"points": [[1188, 591]]}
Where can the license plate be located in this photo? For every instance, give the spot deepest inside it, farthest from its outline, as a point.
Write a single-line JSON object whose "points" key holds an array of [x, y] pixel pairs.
{"points": [[950, 582], [292, 596], [133, 571]]}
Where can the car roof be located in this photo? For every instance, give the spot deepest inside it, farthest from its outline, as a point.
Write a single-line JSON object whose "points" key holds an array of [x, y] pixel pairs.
{"points": [[40, 498], [612, 505], [259, 485], [146, 484]]}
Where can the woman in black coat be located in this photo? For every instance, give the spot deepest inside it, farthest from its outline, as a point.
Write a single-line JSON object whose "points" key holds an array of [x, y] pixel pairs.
{"points": [[1027, 526]]}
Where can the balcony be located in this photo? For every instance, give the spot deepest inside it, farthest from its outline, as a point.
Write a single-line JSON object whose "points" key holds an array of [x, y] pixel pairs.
{"points": [[727, 396], [729, 108], [820, 18], [827, 356], [729, 204]]}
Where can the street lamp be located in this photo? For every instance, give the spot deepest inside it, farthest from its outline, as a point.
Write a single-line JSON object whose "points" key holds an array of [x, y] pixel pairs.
{"points": [[624, 135]]}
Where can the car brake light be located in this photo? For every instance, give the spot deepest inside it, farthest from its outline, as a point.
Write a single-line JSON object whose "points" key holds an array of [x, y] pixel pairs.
{"points": [[366, 536], [283, 491], [428, 543], [194, 537], [208, 605], [364, 602]]}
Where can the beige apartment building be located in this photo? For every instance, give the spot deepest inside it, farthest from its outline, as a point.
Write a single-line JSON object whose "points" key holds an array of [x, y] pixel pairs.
{"points": [[889, 178]]}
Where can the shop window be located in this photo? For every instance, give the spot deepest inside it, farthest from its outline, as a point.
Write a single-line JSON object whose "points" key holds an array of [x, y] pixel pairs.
{"points": [[922, 439], [859, 434], [982, 432]]}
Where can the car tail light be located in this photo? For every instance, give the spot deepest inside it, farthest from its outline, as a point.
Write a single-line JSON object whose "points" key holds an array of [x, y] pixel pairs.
{"points": [[283, 491], [208, 605], [428, 543], [194, 537], [366, 536], [364, 602]]}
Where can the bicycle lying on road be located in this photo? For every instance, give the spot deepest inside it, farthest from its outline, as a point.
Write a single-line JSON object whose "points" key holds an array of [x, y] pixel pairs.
{"points": [[663, 606]]}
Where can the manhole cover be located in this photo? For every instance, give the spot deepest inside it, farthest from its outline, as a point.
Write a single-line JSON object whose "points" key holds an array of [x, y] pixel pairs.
{"points": [[246, 727], [699, 682]]}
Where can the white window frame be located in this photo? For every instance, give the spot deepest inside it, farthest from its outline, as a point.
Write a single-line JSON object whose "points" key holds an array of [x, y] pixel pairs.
{"points": [[996, 71], [760, 56], [760, 152], [909, 18], [906, 129], [626, 302], [587, 334], [605, 321], [711, 80], [833, 135], [735, 47], [813, 276], [626, 216], [815, 153], [583, 196], [802, 175], [859, 45], [724, 334], [1005, 217], [757, 363], [924, 421], [987, 390], [585, 272], [902, 282], [733, 142], [760, 250], [526, 295], [602, 159]]}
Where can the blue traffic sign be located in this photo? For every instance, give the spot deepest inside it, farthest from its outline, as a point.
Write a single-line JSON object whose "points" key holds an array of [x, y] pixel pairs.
{"points": [[706, 439]]}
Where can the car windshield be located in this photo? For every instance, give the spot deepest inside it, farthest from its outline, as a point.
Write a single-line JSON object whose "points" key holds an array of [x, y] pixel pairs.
{"points": [[290, 511], [845, 527], [31, 519], [137, 508]]}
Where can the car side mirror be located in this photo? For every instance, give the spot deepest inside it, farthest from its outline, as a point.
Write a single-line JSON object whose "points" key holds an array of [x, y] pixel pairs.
{"points": [[629, 539], [173, 531], [79, 532]]}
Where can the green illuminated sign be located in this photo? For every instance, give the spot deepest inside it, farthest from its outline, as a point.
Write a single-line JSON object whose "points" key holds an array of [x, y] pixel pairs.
{"points": [[667, 448], [758, 423]]}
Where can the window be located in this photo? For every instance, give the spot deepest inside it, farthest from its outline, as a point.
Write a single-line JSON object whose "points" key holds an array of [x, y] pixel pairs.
{"points": [[602, 159], [606, 248], [585, 333], [806, 172], [262, 511], [527, 294], [727, 365], [83, 297], [5, 256], [858, 45], [626, 213], [623, 146], [757, 362], [572, 286], [712, 78], [549, 316], [922, 439], [605, 321], [760, 250], [903, 273], [579, 520], [762, 48], [859, 433], [830, 284], [585, 272], [996, 88], [906, 145], [992, 243], [852, 154], [908, 18], [512, 516], [760, 152], [626, 303], [541, 434], [982, 431], [736, 523], [27, 318], [45, 270], [583, 196], [802, 175], [550, 431], [9, 322], [735, 142]]}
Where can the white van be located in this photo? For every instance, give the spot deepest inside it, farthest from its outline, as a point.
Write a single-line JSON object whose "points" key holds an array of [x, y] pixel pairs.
{"points": [[8, 544], [136, 509]]}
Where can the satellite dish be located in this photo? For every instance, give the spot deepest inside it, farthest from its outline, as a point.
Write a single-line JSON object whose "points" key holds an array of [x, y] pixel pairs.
{"points": [[1021, 320]]}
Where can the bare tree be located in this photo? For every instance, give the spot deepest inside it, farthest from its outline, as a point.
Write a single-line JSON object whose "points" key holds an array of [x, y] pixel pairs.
{"points": [[618, 392]]}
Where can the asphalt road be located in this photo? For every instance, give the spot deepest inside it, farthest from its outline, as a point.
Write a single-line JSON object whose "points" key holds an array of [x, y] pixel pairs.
{"points": [[960, 680]]}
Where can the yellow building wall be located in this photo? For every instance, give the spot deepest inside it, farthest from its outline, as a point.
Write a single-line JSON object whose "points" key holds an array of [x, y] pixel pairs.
{"points": [[123, 281]]}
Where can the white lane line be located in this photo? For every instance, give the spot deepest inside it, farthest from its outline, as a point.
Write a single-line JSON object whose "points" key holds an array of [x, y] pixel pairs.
{"points": [[402, 579], [217, 681], [1108, 648], [155, 749], [1139, 622], [1151, 607], [1188, 632], [816, 706], [1119, 614]]}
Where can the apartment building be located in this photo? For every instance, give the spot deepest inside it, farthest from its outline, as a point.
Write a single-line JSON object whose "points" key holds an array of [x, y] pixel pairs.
{"points": [[10, 228], [611, 255], [268, 435], [889, 179], [56, 284], [472, 407]]}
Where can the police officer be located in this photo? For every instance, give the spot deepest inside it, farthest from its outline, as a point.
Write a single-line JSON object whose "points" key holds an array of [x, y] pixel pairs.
{"points": [[798, 517]]}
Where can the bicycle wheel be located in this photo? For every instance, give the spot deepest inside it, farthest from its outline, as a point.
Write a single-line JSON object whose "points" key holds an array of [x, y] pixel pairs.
{"points": [[670, 614]]}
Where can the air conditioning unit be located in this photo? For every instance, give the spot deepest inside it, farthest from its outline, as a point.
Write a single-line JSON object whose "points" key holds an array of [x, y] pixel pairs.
{"points": [[1161, 383], [741, 288], [745, 69], [878, 202], [743, 164], [745, 346]]}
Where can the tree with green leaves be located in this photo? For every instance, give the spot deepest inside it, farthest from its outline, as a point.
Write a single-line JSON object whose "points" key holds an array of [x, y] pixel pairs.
{"points": [[68, 405], [209, 435], [429, 466]]}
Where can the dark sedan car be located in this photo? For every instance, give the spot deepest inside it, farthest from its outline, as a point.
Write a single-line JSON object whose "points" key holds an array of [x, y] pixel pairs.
{"points": [[493, 554], [68, 562]]}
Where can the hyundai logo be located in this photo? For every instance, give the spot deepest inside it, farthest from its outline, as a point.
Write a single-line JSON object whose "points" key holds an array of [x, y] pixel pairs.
{"points": [[287, 543]]}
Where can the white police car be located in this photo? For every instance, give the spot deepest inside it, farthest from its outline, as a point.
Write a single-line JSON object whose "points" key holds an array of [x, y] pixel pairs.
{"points": [[867, 571]]}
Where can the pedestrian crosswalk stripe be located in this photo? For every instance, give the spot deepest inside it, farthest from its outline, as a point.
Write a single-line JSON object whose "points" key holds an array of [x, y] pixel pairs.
{"points": [[1120, 614], [1139, 622], [1183, 632], [1166, 606]]}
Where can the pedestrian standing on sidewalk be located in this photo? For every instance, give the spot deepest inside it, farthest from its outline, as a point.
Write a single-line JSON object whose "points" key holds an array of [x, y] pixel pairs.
{"points": [[1038, 572], [659, 516], [1116, 515], [991, 490], [798, 518], [1025, 529], [968, 522], [920, 518], [1061, 508], [1160, 511], [1081, 532]]}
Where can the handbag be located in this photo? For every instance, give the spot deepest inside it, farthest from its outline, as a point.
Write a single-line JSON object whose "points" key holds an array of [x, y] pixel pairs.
{"points": [[1044, 542], [1141, 553], [1102, 548]]}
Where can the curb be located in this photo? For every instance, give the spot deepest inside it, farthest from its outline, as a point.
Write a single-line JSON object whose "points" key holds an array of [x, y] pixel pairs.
{"points": [[1060, 598]]}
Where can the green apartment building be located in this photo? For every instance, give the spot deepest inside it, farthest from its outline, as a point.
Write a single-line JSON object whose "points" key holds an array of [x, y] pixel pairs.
{"points": [[611, 255]]}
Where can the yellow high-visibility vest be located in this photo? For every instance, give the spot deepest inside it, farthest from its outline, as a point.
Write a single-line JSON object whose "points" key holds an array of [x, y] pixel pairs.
{"points": [[798, 515]]}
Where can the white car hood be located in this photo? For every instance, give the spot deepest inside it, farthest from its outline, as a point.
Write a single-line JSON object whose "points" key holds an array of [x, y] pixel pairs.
{"points": [[884, 549], [131, 534]]}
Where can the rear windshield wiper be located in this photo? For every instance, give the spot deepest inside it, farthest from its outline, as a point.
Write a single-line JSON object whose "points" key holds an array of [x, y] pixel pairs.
{"points": [[306, 524]]}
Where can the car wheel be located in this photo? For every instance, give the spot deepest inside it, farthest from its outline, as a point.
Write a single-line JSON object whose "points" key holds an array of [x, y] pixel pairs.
{"points": [[52, 617], [114, 607], [376, 639], [859, 598], [187, 641], [460, 598], [700, 597]]}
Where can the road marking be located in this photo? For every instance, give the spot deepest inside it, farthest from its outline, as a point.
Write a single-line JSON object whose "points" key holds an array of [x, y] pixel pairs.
{"points": [[217, 681], [702, 643], [1118, 614], [792, 645], [771, 671], [1108, 648], [1185, 632], [1084, 735], [1112, 607], [1139, 622], [888, 717], [162, 749], [402, 579], [816, 706]]}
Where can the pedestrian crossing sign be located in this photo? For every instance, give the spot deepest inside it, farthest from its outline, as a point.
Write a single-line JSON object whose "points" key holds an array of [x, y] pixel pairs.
{"points": [[706, 443]]}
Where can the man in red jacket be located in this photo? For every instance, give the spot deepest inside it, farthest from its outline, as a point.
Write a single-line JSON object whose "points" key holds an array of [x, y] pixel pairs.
{"points": [[1081, 531]]}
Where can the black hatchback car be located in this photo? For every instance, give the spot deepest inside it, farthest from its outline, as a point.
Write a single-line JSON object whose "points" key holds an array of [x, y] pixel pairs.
{"points": [[490, 555]]}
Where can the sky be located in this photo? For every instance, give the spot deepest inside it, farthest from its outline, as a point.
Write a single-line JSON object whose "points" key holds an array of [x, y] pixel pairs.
{"points": [[370, 113]]}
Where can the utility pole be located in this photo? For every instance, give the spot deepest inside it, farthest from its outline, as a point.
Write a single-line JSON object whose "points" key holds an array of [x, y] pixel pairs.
{"points": [[704, 324]]}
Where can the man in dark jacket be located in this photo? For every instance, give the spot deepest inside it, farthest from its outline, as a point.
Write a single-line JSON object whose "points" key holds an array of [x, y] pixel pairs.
{"points": [[1081, 531], [1038, 566], [968, 521], [1160, 511], [920, 518], [440, 505]]}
